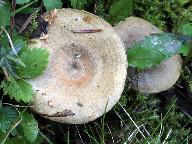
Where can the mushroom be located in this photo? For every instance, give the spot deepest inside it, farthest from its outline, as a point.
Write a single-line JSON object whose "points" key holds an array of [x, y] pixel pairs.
{"points": [[87, 68], [152, 80]]}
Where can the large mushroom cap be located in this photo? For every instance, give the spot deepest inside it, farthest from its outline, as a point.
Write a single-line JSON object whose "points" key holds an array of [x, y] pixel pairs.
{"points": [[85, 71], [152, 80]]}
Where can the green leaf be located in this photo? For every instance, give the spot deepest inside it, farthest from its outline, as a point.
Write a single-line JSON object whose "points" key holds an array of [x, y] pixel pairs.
{"points": [[20, 90], [21, 2], [52, 4], [78, 4], [185, 49], [35, 60], [144, 57], [186, 29], [8, 61], [23, 140], [183, 1], [186, 37], [30, 127], [120, 10], [153, 50], [7, 117], [5, 14]]}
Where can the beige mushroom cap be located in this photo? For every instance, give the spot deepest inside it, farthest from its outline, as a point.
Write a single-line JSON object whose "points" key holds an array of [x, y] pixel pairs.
{"points": [[85, 71], [152, 80]]}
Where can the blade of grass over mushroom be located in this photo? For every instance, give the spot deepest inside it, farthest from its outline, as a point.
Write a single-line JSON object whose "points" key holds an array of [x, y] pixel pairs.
{"points": [[153, 50], [120, 10]]}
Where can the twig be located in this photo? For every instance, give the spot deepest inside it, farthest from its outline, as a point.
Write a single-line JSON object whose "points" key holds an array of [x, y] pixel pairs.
{"points": [[17, 106], [22, 8], [12, 19], [26, 23], [87, 31], [6, 73]]}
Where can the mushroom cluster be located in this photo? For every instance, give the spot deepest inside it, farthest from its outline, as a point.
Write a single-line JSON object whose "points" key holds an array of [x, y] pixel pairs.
{"points": [[153, 80], [87, 68]]}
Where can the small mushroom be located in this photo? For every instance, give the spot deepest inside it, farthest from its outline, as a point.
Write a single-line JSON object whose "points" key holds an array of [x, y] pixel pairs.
{"points": [[86, 71], [153, 80]]}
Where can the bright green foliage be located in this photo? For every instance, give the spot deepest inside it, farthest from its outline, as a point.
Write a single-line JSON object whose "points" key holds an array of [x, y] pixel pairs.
{"points": [[30, 127], [21, 2], [142, 57], [35, 59], [52, 4], [120, 10], [20, 90], [184, 50], [8, 60], [186, 29], [23, 140], [167, 15], [153, 50], [7, 116], [78, 4], [183, 1], [4, 15]]}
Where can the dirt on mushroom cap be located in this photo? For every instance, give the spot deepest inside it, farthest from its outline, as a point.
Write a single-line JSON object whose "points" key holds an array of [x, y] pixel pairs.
{"points": [[153, 80], [87, 68]]}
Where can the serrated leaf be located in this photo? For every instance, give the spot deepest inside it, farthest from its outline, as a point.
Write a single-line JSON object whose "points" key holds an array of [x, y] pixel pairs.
{"points": [[120, 10], [24, 140], [20, 90], [4, 15], [8, 61], [7, 115], [21, 2], [52, 4], [153, 50], [30, 127], [78, 4], [35, 60], [186, 29]]}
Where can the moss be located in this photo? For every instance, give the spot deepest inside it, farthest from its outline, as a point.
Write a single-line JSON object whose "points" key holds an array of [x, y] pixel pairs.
{"points": [[167, 15]]}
